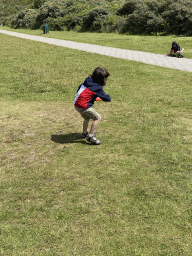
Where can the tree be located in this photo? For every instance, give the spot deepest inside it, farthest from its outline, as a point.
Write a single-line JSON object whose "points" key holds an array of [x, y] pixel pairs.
{"points": [[95, 19], [128, 8], [179, 17]]}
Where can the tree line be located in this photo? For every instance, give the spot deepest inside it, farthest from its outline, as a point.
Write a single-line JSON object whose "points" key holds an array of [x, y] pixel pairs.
{"points": [[158, 17]]}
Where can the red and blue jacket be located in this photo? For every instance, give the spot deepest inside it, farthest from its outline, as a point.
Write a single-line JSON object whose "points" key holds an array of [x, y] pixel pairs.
{"points": [[175, 47], [88, 92]]}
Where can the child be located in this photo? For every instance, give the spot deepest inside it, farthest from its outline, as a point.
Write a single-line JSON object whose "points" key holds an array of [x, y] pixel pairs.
{"points": [[175, 49], [86, 95]]}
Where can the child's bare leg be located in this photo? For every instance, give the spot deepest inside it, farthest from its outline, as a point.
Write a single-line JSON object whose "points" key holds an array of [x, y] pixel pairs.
{"points": [[94, 127], [85, 125]]}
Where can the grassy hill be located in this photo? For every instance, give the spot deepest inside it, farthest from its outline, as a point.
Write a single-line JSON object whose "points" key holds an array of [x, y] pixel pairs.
{"points": [[61, 196]]}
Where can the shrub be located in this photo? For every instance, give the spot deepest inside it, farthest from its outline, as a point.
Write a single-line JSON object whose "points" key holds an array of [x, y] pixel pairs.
{"points": [[135, 16], [128, 8], [155, 20], [37, 3], [178, 15], [120, 24], [71, 21], [46, 11], [136, 22], [24, 19], [111, 19], [53, 23], [110, 24], [154, 24], [95, 19], [30, 19], [157, 16], [49, 9]]}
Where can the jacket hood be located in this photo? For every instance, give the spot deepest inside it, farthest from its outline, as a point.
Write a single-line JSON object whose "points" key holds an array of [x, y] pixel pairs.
{"points": [[89, 82], [174, 43]]}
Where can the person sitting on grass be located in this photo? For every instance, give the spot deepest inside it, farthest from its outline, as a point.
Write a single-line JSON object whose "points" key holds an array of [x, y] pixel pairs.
{"points": [[84, 100], [175, 49]]}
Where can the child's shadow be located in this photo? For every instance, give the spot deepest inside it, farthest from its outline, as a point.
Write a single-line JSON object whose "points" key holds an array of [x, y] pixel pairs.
{"points": [[68, 138]]}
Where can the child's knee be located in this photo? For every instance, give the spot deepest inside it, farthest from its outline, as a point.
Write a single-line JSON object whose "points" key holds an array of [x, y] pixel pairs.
{"points": [[98, 119]]}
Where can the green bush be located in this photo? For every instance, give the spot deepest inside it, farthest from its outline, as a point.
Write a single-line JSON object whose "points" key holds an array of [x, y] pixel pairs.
{"points": [[142, 18], [120, 24], [95, 19], [37, 3], [128, 8], [112, 24], [136, 22], [67, 14], [61, 15], [154, 25], [179, 17], [168, 17], [30, 19], [47, 13], [49, 9], [70, 22], [133, 17], [53, 23], [24, 19]]}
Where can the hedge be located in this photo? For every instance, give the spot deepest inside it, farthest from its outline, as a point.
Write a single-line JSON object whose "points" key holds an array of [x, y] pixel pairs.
{"points": [[166, 17], [130, 16]]}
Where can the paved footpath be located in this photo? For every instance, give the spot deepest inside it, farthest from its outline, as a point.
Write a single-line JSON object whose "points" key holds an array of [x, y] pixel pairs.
{"points": [[145, 57]]}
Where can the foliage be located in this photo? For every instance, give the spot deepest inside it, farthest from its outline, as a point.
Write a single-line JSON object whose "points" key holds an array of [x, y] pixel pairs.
{"points": [[151, 16], [179, 17], [144, 18], [128, 8], [8, 7], [154, 24], [67, 14], [37, 3], [24, 19], [130, 16], [95, 19]]}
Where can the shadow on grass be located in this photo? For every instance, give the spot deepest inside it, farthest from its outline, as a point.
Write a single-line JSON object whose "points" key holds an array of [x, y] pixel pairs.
{"points": [[68, 138]]}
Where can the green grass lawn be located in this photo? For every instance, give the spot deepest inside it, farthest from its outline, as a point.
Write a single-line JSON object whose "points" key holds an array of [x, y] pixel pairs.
{"points": [[131, 195], [154, 44]]}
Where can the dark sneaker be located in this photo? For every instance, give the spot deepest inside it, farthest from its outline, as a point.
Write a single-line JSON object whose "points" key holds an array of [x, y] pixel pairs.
{"points": [[83, 135], [93, 140]]}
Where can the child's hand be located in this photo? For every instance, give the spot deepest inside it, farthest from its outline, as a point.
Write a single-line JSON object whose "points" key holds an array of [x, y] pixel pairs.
{"points": [[98, 99]]}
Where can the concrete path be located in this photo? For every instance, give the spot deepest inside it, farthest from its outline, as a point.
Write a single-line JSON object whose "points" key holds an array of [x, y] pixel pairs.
{"points": [[145, 57]]}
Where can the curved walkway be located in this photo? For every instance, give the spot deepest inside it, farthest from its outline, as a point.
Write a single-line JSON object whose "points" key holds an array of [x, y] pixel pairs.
{"points": [[145, 57]]}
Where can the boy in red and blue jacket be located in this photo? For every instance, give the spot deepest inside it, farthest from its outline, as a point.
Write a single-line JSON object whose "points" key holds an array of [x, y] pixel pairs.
{"points": [[84, 100], [175, 49]]}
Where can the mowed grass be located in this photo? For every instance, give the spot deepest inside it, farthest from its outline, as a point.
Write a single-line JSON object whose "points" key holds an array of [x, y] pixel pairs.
{"points": [[131, 195], [154, 44]]}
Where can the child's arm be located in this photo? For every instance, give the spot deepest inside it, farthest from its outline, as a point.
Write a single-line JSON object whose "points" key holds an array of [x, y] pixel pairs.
{"points": [[101, 94]]}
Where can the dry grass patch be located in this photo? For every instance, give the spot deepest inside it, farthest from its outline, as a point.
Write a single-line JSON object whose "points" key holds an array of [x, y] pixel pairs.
{"points": [[27, 128], [61, 196]]}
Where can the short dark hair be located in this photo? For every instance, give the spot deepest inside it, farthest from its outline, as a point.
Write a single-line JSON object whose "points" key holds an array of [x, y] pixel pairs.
{"points": [[99, 74], [174, 44]]}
